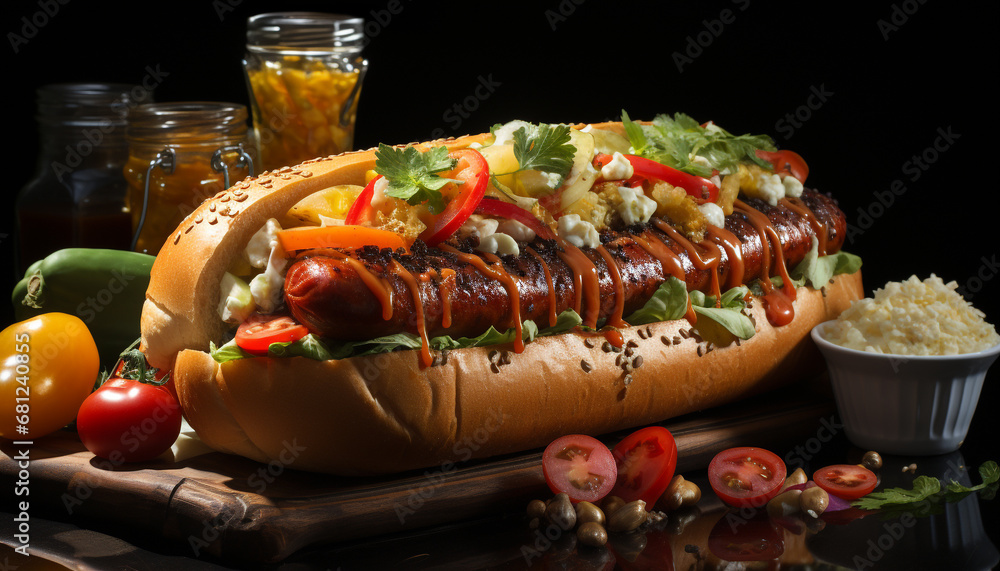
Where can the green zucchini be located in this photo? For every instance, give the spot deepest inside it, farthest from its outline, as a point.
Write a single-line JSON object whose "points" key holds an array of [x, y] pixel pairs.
{"points": [[104, 288]]}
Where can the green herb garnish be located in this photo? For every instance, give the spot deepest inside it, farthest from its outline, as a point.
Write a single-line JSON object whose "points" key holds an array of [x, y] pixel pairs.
{"points": [[927, 495], [412, 174], [542, 147], [673, 141]]}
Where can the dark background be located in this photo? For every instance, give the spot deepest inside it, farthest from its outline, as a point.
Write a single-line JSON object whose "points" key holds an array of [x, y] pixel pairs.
{"points": [[893, 77]]}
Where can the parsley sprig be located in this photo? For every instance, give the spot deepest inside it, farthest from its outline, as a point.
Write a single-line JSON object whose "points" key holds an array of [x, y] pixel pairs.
{"points": [[674, 140], [412, 174], [928, 496], [542, 147]]}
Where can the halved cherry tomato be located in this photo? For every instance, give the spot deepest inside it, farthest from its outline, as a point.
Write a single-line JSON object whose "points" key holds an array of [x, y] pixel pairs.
{"points": [[495, 207], [348, 237], [786, 162], [846, 481], [754, 539], [648, 169], [646, 462], [361, 210], [473, 170], [579, 465], [746, 476], [257, 333]]}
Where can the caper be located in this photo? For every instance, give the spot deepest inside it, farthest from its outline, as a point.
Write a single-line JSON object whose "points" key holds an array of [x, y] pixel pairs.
{"points": [[536, 508], [611, 504], [561, 512], [784, 504], [814, 501], [592, 533], [587, 512], [795, 478], [681, 493], [628, 517], [872, 460]]}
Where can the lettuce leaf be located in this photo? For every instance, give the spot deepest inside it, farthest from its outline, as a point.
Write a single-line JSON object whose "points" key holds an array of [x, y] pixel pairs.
{"points": [[817, 270], [670, 301]]}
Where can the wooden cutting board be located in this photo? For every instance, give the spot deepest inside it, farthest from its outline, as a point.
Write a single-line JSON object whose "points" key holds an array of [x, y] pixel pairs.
{"points": [[241, 510]]}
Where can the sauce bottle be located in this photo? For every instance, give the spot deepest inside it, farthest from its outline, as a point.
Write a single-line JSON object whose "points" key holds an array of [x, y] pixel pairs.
{"points": [[77, 197], [181, 154], [304, 71]]}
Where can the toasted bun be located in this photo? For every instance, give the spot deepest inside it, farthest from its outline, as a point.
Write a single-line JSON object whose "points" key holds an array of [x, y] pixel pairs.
{"points": [[387, 413]]}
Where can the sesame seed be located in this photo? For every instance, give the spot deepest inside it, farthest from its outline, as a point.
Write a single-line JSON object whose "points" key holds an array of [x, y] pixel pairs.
{"points": [[585, 366]]}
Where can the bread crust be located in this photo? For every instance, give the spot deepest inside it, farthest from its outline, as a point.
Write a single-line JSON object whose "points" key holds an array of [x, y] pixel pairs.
{"points": [[386, 413]]}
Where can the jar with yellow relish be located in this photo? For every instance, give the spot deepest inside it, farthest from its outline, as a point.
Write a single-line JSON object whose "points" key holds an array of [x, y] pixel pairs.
{"points": [[304, 71], [181, 154]]}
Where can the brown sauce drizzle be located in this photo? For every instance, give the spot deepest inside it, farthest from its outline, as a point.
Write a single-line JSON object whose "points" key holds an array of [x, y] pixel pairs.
{"points": [[819, 228], [411, 282], [734, 253], [548, 282], [671, 264], [711, 264], [585, 281], [497, 272], [615, 319], [777, 304], [446, 276], [379, 286]]}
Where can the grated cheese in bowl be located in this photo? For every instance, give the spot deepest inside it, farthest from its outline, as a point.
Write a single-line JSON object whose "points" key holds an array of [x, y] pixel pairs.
{"points": [[913, 317]]}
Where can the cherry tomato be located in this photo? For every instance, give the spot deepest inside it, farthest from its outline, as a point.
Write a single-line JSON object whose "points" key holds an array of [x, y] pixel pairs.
{"points": [[786, 162], [123, 370], [347, 237], [129, 421], [737, 539], [48, 366], [579, 465], [646, 462], [257, 333], [473, 170], [846, 481], [695, 186], [745, 476], [503, 209]]}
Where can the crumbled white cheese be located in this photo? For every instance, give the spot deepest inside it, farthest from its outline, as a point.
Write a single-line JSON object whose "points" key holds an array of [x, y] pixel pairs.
{"points": [[499, 243], [479, 226], [770, 188], [713, 214], [262, 242], [378, 192], [914, 317], [266, 288], [618, 169], [505, 134], [793, 187], [552, 180], [699, 160], [587, 129], [635, 207], [580, 233], [516, 230]]}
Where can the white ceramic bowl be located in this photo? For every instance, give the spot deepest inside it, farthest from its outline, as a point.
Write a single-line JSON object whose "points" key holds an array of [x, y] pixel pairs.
{"points": [[901, 404]]}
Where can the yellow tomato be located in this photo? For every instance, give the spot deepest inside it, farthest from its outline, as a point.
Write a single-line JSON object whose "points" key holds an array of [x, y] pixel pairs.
{"points": [[48, 366]]}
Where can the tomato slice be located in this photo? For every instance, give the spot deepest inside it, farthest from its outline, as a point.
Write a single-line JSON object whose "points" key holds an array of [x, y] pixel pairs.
{"points": [[646, 462], [257, 333], [496, 207], [846, 481], [579, 465], [361, 210], [648, 169], [746, 476], [473, 170], [786, 162], [346, 237]]}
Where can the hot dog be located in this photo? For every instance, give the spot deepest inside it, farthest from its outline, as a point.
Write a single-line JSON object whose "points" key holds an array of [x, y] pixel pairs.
{"points": [[438, 349]]}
